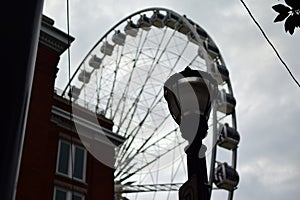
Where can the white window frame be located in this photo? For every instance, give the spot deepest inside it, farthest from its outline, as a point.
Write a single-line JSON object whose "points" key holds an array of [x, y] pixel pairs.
{"points": [[70, 165], [68, 192]]}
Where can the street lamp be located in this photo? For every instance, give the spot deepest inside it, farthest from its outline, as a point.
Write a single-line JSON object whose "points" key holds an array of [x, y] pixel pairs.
{"points": [[189, 95]]}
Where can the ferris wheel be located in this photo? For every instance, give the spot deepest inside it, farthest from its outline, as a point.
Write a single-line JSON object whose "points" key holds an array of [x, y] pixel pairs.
{"points": [[122, 78]]}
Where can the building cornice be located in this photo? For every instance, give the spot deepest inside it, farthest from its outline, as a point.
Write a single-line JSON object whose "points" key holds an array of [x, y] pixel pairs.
{"points": [[53, 37], [62, 119]]}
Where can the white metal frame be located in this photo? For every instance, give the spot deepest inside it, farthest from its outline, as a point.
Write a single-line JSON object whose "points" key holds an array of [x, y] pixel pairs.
{"points": [[181, 25]]}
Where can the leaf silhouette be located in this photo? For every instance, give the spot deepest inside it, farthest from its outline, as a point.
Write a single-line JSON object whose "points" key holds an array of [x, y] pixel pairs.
{"points": [[290, 24], [281, 17], [291, 14], [297, 20], [281, 9], [293, 3]]}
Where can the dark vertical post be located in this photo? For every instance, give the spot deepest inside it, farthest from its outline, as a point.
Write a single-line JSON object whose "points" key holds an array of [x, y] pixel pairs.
{"points": [[20, 25], [197, 166], [196, 160]]}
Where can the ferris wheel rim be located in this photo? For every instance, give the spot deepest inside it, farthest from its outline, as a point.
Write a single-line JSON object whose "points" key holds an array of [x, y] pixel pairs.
{"points": [[124, 20], [113, 28]]}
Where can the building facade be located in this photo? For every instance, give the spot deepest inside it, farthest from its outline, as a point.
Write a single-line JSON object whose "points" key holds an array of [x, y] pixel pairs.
{"points": [[55, 165]]}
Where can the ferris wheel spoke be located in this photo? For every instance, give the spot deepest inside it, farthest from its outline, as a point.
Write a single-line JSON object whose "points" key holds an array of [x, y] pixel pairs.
{"points": [[109, 103], [141, 148], [156, 142], [152, 67], [151, 107], [133, 105], [125, 92], [98, 86], [135, 131], [127, 161], [137, 98], [170, 72], [181, 161], [150, 172], [147, 164], [172, 172], [178, 167]]}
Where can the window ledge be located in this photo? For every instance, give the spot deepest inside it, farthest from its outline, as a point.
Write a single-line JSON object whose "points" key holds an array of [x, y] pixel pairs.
{"points": [[70, 178], [70, 186]]}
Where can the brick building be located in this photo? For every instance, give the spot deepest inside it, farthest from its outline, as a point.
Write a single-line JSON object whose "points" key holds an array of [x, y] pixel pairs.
{"points": [[55, 165]]}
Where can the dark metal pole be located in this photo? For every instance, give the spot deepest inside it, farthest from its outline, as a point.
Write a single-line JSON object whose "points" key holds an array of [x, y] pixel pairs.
{"points": [[197, 166], [196, 161], [20, 23]]}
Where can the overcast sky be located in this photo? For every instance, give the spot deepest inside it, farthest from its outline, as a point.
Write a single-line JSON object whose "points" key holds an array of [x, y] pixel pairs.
{"points": [[268, 107]]}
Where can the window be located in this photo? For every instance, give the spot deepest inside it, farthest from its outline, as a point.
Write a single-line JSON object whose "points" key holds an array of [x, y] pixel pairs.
{"points": [[71, 161], [63, 194]]}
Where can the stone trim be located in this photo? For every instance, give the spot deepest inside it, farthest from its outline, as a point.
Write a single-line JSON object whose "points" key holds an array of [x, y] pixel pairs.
{"points": [[53, 37]]}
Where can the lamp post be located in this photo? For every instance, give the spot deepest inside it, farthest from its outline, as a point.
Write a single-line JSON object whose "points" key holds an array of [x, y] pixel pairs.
{"points": [[189, 95]]}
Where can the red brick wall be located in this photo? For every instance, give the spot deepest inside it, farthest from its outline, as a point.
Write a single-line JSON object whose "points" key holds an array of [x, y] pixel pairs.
{"points": [[99, 178], [39, 148], [38, 165]]}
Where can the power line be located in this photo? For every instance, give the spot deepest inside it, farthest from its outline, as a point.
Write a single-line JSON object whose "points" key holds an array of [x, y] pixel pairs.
{"points": [[70, 98], [270, 43], [68, 32]]}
